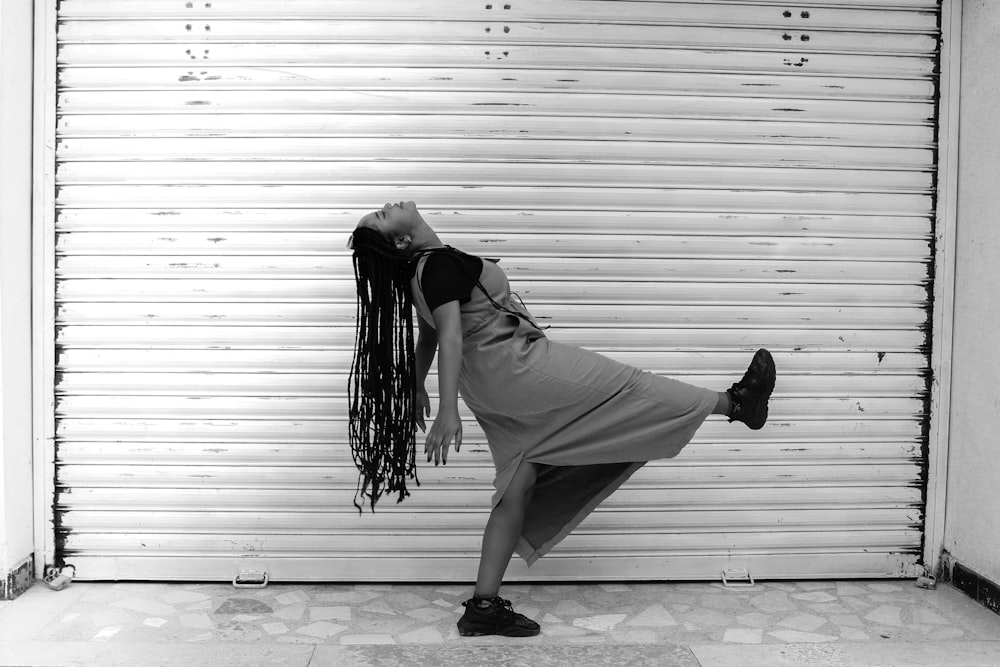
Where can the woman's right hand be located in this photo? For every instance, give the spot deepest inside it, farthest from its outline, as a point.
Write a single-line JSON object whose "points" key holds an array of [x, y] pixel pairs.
{"points": [[447, 425], [423, 408]]}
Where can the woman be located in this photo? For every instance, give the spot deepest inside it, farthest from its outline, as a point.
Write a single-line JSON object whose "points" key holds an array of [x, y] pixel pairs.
{"points": [[565, 426]]}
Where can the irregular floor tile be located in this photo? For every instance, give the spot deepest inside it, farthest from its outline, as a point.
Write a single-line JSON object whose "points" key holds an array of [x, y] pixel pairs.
{"points": [[557, 588], [292, 613], [196, 621], [929, 616], [243, 606], [885, 588], [634, 636], [816, 596], [292, 639], [111, 617], [722, 602], [143, 606], [602, 623], [425, 635], [678, 598], [329, 613], [847, 620], [321, 629], [292, 597], [274, 628], [815, 585], [562, 631], [743, 635], [428, 614], [104, 634], [796, 637], [405, 601], [653, 616], [348, 597], [570, 608], [772, 602], [942, 634], [855, 603], [183, 597], [703, 616], [804, 622], [754, 620], [886, 615], [380, 607], [845, 588], [367, 639]]}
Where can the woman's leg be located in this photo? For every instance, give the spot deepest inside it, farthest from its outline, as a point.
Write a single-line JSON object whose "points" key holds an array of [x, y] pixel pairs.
{"points": [[503, 530]]}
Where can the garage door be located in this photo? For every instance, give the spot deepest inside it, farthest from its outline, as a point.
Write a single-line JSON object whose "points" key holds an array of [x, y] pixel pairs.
{"points": [[673, 184]]}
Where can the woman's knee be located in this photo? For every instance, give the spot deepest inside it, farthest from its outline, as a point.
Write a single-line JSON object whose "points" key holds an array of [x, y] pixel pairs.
{"points": [[521, 486]]}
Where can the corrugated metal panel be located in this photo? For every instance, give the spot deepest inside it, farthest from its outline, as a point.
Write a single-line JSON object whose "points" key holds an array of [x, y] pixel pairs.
{"points": [[671, 183]]}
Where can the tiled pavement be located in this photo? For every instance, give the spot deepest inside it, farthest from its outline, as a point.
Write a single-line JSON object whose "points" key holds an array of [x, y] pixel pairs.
{"points": [[706, 624]]}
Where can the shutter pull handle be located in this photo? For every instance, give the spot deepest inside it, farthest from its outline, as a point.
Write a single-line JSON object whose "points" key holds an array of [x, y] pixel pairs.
{"points": [[250, 579]]}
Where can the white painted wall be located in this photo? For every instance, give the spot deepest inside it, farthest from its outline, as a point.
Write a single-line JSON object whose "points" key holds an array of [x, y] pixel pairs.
{"points": [[972, 523], [16, 520]]}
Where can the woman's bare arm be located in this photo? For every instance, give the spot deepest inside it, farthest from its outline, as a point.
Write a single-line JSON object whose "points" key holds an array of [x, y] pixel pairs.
{"points": [[447, 425]]}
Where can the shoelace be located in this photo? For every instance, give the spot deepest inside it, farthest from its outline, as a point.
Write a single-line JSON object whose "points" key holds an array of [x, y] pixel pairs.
{"points": [[506, 604]]}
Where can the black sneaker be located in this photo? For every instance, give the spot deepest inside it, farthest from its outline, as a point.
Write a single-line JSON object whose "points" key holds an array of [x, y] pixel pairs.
{"points": [[494, 616], [749, 396]]}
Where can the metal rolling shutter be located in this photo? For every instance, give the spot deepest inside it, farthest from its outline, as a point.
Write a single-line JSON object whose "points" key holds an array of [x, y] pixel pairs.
{"points": [[671, 183]]}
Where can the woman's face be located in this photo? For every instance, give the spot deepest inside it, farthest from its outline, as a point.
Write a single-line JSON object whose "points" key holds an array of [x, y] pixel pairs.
{"points": [[393, 220]]}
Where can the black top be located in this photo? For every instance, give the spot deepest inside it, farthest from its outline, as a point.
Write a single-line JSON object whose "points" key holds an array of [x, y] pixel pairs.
{"points": [[449, 276]]}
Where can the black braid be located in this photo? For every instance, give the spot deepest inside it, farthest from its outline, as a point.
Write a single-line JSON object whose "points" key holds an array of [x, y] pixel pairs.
{"points": [[383, 379]]}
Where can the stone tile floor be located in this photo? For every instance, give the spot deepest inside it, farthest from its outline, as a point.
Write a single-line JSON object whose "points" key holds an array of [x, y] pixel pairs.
{"points": [[640, 621]]}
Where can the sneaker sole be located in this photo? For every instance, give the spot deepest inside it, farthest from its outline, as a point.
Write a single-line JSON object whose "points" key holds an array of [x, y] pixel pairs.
{"points": [[482, 631], [760, 416]]}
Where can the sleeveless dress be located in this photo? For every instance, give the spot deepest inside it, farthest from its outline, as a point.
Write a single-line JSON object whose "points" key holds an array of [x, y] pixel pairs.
{"points": [[589, 421]]}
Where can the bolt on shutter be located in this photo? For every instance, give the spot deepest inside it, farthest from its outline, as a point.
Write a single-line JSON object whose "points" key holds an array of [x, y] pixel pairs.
{"points": [[673, 184]]}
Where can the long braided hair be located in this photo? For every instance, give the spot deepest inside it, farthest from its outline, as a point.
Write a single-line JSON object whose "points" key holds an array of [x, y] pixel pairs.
{"points": [[382, 383]]}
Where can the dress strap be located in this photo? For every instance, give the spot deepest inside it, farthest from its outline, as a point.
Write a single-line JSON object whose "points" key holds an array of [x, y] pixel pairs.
{"points": [[421, 256]]}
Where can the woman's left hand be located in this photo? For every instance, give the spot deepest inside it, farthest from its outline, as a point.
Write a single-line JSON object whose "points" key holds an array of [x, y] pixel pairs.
{"points": [[446, 426], [423, 408]]}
